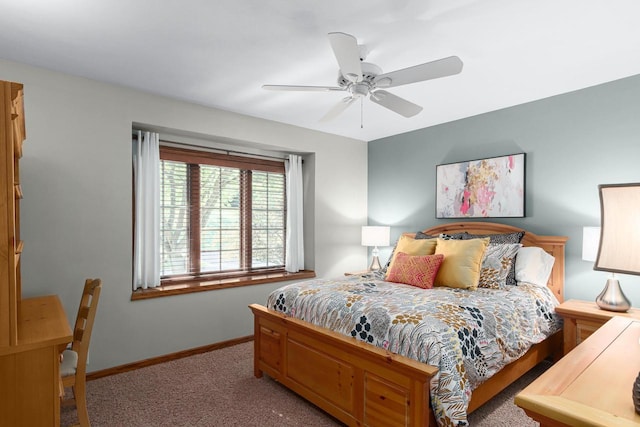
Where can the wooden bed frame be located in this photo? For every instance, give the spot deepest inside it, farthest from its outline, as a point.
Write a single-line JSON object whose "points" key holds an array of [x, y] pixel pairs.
{"points": [[363, 385]]}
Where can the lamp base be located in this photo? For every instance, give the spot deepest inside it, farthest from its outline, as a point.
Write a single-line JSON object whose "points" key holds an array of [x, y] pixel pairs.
{"points": [[636, 394], [375, 264], [612, 298]]}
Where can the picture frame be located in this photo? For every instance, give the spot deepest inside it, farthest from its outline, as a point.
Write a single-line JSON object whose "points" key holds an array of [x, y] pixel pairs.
{"points": [[493, 187]]}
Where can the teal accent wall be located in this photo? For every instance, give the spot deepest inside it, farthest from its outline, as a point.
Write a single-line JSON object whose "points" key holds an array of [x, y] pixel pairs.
{"points": [[573, 142]]}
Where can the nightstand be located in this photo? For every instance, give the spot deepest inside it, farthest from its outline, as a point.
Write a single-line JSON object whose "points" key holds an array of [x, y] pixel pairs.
{"points": [[582, 318]]}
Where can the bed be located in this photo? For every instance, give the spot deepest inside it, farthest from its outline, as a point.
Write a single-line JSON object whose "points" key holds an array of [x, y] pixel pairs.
{"points": [[364, 384]]}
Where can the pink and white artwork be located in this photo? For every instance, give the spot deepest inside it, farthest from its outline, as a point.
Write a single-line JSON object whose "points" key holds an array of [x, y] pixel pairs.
{"points": [[489, 188]]}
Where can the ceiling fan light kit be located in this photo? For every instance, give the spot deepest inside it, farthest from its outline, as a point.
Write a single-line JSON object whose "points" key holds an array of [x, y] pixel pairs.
{"points": [[361, 79]]}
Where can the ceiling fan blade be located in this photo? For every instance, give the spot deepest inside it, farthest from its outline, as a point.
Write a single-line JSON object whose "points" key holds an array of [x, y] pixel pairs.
{"points": [[427, 71], [302, 88], [345, 48], [337, 109], [395, 103]]}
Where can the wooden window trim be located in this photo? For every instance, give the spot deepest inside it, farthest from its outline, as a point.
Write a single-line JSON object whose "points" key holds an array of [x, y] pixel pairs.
{"points": [[216, 159], [215, 284], [187, 284]]}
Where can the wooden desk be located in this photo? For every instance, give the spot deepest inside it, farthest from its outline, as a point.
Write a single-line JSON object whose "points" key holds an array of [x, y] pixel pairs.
{"points": [[591, 386], [30, 370]]}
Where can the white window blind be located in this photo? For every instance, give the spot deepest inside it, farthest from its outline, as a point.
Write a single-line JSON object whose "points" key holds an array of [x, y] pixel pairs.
{"points": [[220, 214]]}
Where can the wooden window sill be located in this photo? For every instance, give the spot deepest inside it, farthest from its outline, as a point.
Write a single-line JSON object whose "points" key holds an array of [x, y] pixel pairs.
{"points": [[212, 285]]}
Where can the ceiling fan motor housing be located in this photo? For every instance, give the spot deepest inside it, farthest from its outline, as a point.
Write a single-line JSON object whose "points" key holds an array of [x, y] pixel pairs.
{"points": [[369, 72], [358, 90]]}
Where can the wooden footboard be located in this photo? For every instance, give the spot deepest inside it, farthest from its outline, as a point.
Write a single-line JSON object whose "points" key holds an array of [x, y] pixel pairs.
{"points": [[358, 383]]}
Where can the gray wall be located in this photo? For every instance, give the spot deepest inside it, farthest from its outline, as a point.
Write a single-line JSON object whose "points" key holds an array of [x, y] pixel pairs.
{"points": [[573, 142], [76, 216]]}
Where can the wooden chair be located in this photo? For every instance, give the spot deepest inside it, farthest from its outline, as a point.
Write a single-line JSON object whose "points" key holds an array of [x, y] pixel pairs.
{"points": [[74, 360]]}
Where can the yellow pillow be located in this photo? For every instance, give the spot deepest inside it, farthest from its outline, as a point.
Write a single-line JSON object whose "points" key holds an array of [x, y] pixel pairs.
{"points": [[462, 262], [411, 246]]}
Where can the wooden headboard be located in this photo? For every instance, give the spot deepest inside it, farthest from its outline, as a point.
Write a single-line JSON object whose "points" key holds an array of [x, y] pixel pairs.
{"points": [[554, 245]]}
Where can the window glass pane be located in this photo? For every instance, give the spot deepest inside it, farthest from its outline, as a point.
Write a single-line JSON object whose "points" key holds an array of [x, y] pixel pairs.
{"points": [[210, 240], [260, 239], [230, 260], [210, 218], [209, 261], [230, 239], [220, 218], [276, 256], [276, 192], [230, 219], [259, 220], [174, 218], [276, 220], [209, 187], [268, 219], [259, 258]]}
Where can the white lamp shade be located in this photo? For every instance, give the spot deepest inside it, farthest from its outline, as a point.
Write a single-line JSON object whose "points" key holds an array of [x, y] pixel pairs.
{"points": [[375, 235], [620, 220], [590, 243]]}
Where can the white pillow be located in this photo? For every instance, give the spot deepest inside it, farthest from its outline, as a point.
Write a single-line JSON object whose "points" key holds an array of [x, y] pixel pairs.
{"points": [[533, 265]]}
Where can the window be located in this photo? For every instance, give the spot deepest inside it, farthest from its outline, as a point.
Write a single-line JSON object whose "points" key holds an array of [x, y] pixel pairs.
{"points": [[220, 215]]}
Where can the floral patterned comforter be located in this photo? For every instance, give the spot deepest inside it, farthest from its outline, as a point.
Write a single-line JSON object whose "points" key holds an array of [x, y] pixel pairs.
{"points": [[468, 335]]}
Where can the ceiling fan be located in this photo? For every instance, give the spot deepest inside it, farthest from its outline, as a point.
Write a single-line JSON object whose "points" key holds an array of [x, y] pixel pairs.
{"points": [[361, 79]]}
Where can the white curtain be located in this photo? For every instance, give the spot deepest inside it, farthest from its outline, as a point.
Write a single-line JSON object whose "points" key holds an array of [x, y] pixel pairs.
{"points": [[146, 246], [294, 257]]}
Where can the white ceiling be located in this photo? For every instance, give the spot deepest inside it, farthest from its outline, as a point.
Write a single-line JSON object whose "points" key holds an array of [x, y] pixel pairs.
{"points": [[218, 53]]}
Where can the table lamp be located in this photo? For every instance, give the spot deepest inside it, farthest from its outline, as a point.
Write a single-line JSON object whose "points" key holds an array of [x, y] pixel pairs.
{"points": [[590, 243], [375, 235], [619, 247]]}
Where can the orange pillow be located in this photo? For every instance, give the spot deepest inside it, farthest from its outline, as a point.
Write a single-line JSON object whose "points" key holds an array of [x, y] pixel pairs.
{"points": [[415, 270]]}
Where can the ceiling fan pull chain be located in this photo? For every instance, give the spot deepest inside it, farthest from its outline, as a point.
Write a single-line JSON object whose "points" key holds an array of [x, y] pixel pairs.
{"points": [[361, 113]]}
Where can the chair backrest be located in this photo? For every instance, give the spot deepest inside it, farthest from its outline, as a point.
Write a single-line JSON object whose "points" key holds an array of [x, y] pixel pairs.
{"points": [[84, 322]]}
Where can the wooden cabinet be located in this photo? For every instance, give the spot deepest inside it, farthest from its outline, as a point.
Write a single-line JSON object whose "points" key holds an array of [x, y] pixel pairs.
{"points": [[583, 318], [33, 331], [11, 138]]}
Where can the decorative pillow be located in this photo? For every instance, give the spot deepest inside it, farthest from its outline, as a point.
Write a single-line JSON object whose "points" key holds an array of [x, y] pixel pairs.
{"points": [[411, 246], [457, 236], [496, 264], [533, 265], [461, 265], [515, 237], [415, 270]]}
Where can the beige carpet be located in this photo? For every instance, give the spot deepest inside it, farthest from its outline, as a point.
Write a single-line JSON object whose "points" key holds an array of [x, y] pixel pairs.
{"points": [[218, 389]]}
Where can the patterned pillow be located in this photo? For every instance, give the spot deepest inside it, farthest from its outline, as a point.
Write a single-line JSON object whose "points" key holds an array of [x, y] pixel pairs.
{"points": [[415, 270], [496, 264], [456, 236], [462, 261], [515, 237]]}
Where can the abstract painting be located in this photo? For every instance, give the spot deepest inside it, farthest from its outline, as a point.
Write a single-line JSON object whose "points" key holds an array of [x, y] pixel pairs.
{"points": [[489, 188]]}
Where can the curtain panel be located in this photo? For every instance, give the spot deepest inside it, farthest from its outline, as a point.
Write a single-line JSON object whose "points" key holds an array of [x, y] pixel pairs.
{"points": [[146, 247], [294, 253]]}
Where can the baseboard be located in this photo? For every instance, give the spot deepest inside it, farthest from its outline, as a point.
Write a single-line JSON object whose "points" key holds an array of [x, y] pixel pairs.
{"points": [[165, 358]]}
